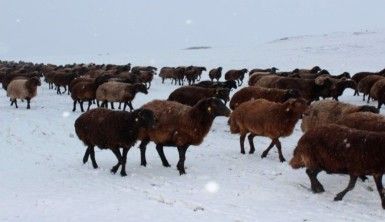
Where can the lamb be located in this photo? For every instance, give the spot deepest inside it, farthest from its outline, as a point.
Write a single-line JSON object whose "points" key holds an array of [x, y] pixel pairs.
{"points": [[264, 118], [191, 95], [366, 84], [112, 130], [23, 89], [215, 73], [341, 150], [237, 75], [255, 92], [377, 92], [229, 84], [327, 112], [180, 126], [119, 92]]}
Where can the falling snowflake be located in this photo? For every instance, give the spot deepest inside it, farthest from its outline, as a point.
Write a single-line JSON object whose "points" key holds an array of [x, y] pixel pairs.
{"points": [[212, 187], [65, 114], [188, 22]]}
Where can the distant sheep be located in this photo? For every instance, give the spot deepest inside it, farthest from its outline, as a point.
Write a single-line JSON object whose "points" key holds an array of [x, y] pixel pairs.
{"points": [[23, 89], [119, 92], [360, 75], [264, 118], [377, 92], [236, 75], [229, 84], [112, 130], [215, 74], [366, 84], [341, 150], [271, 70]]}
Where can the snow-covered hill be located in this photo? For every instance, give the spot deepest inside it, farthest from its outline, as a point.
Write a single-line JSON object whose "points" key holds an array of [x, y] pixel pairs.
{"points": [[42, 177]]}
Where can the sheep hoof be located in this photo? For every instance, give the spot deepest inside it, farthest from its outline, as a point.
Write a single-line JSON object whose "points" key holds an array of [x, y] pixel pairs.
{"points": [[167, 165], [181, 172], [243, 152], [251, 151], [282, 159], [337, 198], [143, 164], [363, 178], [123, 174], [114, 169], [318, 189], [263, 155], [95, 166]]}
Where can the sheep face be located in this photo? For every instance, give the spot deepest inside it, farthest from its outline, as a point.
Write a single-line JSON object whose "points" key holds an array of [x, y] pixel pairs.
{"points": [[232, 84], [347, 75], [315, 69], [297, 105], [219, 69], [35, 81], [144, 118], [215, 107], [141, 88], [323, 72], [274, 69], [223, 94], [291, 93]]}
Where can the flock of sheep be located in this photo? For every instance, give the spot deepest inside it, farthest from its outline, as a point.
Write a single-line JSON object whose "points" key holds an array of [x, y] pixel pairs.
{"points": [[338, 138]]}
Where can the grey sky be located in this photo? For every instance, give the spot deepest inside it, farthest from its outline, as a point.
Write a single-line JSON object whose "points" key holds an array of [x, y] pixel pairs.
{"points": [[60, 27]]}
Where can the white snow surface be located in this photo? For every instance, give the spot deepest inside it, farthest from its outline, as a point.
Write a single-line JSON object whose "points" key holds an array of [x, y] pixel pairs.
{"points": [[42, 177]]}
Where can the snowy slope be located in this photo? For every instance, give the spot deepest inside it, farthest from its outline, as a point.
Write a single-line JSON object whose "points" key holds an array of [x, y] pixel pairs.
{"points": [[43, 178]]}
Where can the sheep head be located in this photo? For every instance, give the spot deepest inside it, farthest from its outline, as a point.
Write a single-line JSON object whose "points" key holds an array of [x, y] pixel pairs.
{"points": [[298, 106], [220, 69], [140, 87], [274, 69], [144, 118], [222, 93], [231, 84], [291, 93], [315, 69], [213, 107]]}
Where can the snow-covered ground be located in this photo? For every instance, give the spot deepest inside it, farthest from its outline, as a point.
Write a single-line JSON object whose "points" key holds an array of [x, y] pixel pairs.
{"points": [[42, 177]]}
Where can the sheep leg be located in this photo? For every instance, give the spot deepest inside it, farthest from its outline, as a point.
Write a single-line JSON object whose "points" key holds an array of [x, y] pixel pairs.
{"points": [[130, 105], [97, 103], [264, 154], [250, 138], [68, 91], [86, 155], [81, 106], [380, 188], [159, 148], [89, 104], [118, 156], [379, 104], [142, 147], [112, 105], [12, 102], [242, 143], [28, 103], [316, 186], [58, 90], [278, 145], [124, 160], [120, 105], [182, 157], [74, 108], [363, 97], [92, 154], [368, 99], [15, 100], [124, 106], [352, 183]]}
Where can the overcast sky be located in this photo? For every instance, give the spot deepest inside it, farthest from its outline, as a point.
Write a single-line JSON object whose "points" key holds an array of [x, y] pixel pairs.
{"points": [[60, 27]]}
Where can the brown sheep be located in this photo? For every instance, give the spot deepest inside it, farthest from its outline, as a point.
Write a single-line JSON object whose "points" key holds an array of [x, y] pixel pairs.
{"points": [[191, 95], [237, 75], [23, 89], [229, 84], [327, 111], [215, 73], [175, 74], [79, 79], [180, 126], [264, 118], [366, 84], [63, 80], [256, 92], [112, 130], [83, 91], [308, 88], [119, 92], [271, 70], [360, 75], [337, 88], [256, 76], [377, 92], [364, 121], [341, 150]]}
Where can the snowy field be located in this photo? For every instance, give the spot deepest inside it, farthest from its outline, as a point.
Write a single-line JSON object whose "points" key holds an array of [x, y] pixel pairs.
{"points": [[42, 177]]}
